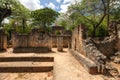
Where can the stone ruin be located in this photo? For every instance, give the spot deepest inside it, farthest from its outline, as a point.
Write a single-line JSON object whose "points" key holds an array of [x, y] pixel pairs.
{"points": [[35, 41], [93, 53], [3, 40], [60, 32]]}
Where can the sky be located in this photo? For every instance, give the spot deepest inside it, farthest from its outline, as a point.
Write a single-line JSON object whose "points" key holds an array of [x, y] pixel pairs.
{"points": [[58, 5]]}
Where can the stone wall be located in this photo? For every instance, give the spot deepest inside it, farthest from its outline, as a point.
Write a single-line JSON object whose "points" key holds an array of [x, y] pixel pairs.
{"points": [[105, 46], [85, 46], [3, 40], [96, 49], [109, 45], [33, 42], [77, 39], [66, 40], [114, 32]]}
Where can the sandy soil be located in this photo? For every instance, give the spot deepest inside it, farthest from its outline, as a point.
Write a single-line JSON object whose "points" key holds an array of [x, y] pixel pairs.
{"points": [[66, 67]]}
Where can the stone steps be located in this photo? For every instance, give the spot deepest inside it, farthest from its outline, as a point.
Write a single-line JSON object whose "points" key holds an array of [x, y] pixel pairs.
{"points": [[27, 58], [26, 64]]}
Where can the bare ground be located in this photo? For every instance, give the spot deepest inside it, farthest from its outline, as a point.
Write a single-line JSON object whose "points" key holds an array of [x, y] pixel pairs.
{"points": [[66, 67]]}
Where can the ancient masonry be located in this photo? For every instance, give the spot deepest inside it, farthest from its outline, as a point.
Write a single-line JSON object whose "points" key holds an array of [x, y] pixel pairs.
{"points": [[3, 40], [32, 42], [37, 41], [93, 53]]}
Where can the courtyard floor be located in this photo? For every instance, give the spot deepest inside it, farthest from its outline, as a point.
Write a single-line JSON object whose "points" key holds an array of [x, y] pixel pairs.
{"points": [[66, 67]]}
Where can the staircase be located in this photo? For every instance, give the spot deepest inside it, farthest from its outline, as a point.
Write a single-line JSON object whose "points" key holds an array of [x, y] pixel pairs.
{"points": [[26, 64]]}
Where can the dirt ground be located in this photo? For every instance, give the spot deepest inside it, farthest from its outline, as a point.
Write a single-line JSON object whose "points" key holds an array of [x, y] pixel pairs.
{"points": [[66, 67]]}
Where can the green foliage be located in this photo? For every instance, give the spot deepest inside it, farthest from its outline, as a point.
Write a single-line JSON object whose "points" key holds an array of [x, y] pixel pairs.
{"points": [[26, 31], [115, 13], [44, 17], [114, 10], [19, 15], [101, 32]]}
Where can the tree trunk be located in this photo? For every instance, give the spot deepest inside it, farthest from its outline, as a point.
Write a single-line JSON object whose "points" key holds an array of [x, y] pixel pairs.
{"points": [[94, 31], [0, 22], [108, 8], [44, 26], [24, 24]]}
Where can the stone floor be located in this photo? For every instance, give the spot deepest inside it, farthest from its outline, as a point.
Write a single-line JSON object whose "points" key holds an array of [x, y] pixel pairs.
{"points": [[66, 67]]}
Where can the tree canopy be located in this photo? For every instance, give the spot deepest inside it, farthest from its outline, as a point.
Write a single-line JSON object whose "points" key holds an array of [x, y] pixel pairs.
{"points": [[18, 13], [96, 14], [44, 17]]}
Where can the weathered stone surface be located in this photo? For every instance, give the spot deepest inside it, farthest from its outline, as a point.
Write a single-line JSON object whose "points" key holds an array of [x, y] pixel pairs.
{"points": [[116, 57], [114, 32], [31, 50], [32, 42], [66, 40], [26, 67], [28, 59], [3, 40], [89, 65], [106, 46], [86, 47], [60, 43]]}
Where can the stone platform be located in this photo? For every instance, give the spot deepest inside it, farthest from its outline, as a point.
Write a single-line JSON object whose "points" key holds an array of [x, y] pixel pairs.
{"points": [[19, 64], [16, 67]]}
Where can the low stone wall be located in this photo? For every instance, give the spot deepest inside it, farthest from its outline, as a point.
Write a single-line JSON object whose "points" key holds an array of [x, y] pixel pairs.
{"points": [[3, 40], [32, 42], [88, 64]]}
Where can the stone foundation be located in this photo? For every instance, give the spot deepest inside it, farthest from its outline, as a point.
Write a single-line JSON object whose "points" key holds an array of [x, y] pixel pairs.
{"points": [[31, 50]]}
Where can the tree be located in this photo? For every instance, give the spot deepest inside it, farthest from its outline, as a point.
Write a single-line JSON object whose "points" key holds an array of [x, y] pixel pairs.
{"points": [[44, 17], [63, 20], [114, 10], [14, 10], [93, 11], [5, 10], [21, 15]]}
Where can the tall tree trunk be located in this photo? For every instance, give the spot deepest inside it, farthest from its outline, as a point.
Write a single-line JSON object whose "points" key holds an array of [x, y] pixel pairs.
{"points": [[24, 23], [94, 31], [108, 16], [44, 26]]}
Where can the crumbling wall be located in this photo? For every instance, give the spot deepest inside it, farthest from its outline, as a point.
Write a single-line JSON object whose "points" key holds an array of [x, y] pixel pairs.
{"points": [[105, 46], [114, 32], [85, 46], [35, 40], [3, 40]]}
